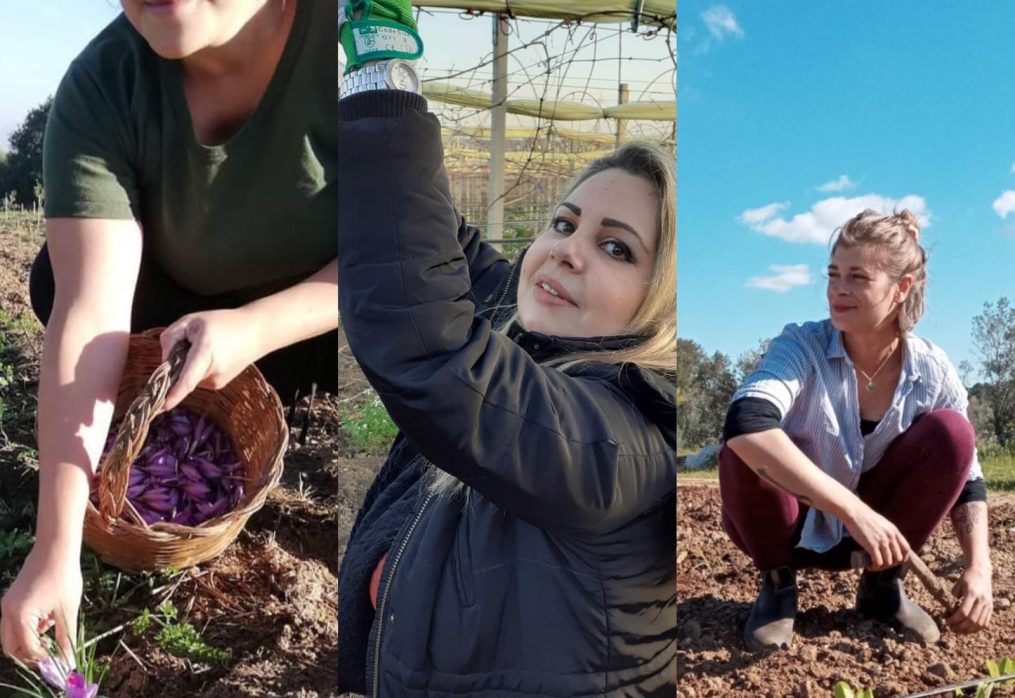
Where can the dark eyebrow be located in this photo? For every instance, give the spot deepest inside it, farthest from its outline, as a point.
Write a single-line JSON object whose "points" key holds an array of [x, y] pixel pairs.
{"points": [[852, 268], [614, 223], [608, 223]]}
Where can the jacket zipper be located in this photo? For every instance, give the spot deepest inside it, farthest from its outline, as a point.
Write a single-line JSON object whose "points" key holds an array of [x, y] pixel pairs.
{"points": [[382, 601], [507, 287]]}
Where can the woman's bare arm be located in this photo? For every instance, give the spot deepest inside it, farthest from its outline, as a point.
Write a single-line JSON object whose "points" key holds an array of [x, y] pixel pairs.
{"points": [[776, 459], [95, 264]]}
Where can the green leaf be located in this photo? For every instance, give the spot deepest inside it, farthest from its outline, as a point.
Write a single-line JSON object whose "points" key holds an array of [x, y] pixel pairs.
{"points": [[984, 690], [993, 669], [1008, 666], [866, 693], [843, 690]]}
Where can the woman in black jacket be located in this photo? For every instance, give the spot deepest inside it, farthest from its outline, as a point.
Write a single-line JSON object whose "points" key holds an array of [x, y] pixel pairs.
{"points": [[520, 538]]}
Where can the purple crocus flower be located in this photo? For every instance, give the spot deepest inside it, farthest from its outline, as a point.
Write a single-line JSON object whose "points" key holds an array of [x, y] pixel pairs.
{"points": [[54, 671], [78, 687]]}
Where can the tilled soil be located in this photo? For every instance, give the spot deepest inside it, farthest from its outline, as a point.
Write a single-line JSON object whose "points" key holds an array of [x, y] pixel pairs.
{"points": [[716, 585]]}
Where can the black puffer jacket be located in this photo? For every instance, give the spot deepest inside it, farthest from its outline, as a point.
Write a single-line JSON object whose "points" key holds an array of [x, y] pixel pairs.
{"points": [[557, 578]]}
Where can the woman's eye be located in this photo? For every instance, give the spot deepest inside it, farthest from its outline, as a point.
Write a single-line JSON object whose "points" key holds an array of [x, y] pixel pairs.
{"points": [[618, 250], [562, 225]]}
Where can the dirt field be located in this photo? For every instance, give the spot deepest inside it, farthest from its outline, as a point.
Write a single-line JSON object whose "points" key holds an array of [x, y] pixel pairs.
{"points": [[716, 585], [270, 600]]}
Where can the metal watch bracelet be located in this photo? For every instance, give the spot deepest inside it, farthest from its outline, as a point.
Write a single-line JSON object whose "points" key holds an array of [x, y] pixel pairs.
{"points": [[394, 74]]}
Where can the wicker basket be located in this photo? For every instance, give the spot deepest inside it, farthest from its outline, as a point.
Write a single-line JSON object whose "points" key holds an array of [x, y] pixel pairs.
{"points": [[249, 412]]}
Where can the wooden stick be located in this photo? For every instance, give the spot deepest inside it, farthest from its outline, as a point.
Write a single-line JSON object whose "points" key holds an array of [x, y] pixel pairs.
{"points": [[930, 581]]}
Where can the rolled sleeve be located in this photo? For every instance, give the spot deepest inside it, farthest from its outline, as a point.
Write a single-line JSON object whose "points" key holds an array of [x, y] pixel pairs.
{"points": [[779, 376]]}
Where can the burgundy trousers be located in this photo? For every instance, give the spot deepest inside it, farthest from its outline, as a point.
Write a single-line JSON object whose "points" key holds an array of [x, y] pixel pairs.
{"points": [[914, 485]]}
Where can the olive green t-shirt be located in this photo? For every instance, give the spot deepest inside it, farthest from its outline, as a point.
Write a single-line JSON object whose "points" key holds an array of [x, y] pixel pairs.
{"points": [[253, 215]]}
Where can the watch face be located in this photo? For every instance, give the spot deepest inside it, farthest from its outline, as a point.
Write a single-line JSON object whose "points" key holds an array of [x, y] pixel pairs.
{"points": [[401, 76]]}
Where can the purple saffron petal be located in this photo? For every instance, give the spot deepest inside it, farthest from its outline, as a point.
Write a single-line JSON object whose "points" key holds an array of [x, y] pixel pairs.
{"points": [[207, 468], [77, 687], [191, 472], [53, 671], [196, 490]]}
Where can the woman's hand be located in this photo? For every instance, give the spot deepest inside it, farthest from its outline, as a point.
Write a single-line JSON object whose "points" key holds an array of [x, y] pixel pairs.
{"points": [[222, 344], [977, 601], [877, 535], [46, 593]]}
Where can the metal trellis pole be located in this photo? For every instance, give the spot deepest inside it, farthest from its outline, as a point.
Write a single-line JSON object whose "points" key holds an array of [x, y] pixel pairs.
{"points": [[498, 130]]}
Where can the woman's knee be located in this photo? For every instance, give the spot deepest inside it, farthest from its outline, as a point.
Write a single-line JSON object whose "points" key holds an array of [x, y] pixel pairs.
{"points": [[951, 435]]}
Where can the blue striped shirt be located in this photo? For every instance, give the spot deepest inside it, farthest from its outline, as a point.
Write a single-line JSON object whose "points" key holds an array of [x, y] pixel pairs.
{"points": [[807, 374]]}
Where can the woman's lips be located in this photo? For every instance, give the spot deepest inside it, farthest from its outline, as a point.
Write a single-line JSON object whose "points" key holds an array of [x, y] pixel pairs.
{"points": [[549, 292], [164, 7]]}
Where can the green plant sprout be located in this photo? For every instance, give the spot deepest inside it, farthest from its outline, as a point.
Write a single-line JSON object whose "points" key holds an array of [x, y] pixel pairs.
{"points": [[14, 542], [842, 689], [177, 638]]}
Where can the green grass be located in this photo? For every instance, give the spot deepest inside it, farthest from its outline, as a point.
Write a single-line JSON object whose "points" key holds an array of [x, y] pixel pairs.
{"points": [[698, 475], [368, 427], [999, 472]]}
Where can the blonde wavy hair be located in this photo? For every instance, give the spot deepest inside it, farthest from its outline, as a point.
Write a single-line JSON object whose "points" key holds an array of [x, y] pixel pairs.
{"points": [[897, 238], [655, 321]]}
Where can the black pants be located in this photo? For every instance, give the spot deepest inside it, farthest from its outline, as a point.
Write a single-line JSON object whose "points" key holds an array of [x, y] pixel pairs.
{"points": [[159, 301]]}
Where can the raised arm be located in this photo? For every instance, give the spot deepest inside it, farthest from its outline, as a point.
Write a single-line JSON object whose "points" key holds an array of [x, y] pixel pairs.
{"points": [[549, 447], [95, 264]]}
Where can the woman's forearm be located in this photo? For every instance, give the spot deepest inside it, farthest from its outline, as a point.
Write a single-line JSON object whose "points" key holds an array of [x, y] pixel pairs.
{"points": [[970, 523], [95, 263], [776, 459], [82, 363], [302, 311]]}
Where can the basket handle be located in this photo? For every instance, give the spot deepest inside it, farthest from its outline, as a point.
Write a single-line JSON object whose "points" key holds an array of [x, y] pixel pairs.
{"points": [[133, 431]]}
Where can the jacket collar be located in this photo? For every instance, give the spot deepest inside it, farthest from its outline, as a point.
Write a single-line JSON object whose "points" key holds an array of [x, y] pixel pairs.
{"points": [[542, 347]]}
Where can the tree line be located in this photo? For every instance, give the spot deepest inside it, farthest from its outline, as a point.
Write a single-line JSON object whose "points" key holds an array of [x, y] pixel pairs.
{"points": [[21, 165], [706, 382]]}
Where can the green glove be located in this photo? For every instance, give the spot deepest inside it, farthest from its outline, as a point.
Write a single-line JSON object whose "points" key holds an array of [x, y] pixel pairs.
{"points": [[375, 30]]}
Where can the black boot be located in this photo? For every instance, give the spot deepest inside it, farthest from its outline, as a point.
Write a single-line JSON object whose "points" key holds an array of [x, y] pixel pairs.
{"points": [[770, 624], [880, 596]]}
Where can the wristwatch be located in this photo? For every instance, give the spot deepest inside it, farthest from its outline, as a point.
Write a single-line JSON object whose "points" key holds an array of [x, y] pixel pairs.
{"points": [[394, 74]]}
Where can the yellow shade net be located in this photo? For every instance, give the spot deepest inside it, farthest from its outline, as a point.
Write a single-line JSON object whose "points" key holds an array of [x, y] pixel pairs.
{"points": [[659, 13], [519, 132], [551, 109]]}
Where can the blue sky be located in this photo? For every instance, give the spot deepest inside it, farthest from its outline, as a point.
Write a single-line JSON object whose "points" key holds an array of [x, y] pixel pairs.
{"points": [[38, 40], [795, 115]]}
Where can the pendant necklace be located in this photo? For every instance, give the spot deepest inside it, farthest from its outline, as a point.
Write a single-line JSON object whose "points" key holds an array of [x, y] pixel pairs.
{"points": [[871, 386]]}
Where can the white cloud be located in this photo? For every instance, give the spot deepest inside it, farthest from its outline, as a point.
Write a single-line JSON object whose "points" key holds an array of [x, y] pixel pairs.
{"points": [[1005, 203], [783, 278], [721, 22], [818, 224], [843, 183], [754, 216]]}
